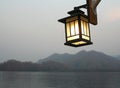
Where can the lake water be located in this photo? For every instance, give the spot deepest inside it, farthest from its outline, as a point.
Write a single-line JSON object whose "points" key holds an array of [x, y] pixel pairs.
{"points": [[59, 79]]}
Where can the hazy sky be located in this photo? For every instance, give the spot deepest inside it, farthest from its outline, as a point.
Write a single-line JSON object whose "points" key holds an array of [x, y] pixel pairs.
{"points": [[29, 29]]}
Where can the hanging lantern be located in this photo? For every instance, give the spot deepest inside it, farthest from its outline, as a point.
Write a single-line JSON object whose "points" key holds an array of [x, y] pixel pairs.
{"points": [[77, 29]]}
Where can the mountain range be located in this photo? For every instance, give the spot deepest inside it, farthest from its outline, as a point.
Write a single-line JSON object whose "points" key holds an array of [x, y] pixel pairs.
{"points": [[82, 61], [118, 57]]}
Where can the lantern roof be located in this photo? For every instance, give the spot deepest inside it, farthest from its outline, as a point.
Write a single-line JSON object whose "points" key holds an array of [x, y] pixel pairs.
{"points": [[72, 14]]}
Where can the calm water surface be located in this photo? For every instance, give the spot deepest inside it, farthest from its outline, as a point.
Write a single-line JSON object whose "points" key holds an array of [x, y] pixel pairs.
{"points": [[59, 79]]}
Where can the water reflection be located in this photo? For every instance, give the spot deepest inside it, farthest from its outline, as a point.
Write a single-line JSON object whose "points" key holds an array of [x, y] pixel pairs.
{"points": [[59, 80]]}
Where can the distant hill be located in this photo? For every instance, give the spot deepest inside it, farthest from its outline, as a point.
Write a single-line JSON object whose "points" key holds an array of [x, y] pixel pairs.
{"points": [[14, 65], [84, 61], [81, 61], [118, 57]]}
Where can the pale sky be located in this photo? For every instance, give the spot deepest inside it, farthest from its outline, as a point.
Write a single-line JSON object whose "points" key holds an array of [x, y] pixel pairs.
{"points": [[29, 29]]}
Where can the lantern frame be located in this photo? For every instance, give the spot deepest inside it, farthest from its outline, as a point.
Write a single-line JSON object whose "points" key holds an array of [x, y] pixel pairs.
{"points": [[78, 40]]}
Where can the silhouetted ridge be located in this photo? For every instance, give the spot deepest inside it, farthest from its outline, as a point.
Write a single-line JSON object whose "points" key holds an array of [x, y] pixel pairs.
{"points": [[87, 61], [81, 61]]}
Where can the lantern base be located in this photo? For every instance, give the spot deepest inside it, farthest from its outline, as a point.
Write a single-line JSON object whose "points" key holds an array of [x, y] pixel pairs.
{"points": [[78, 44]]}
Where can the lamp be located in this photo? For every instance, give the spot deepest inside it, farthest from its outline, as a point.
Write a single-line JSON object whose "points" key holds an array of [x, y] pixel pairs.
{"points": [[77, 30]]}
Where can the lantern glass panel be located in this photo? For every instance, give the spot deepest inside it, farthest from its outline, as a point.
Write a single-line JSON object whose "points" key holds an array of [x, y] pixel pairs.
{"points": [[76, 27], [72, 28], [85, 29], [72, 25], [79, 43], [73, 38], [68, 29]]}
